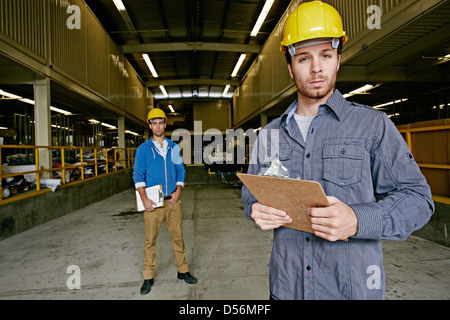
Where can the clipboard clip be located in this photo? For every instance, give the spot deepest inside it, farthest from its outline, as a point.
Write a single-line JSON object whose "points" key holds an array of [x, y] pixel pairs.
{"points": [[277, 169]]}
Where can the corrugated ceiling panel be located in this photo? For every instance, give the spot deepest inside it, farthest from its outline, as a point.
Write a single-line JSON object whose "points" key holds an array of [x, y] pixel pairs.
{"points": [[401, 38]]}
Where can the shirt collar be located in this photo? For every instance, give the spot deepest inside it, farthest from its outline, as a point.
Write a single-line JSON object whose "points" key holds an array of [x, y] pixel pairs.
{"points": [[336, 102], [158, 145]]}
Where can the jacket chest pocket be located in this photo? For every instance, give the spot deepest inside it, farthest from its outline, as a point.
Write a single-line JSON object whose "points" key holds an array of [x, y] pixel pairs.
{"points": [[342, 162]]}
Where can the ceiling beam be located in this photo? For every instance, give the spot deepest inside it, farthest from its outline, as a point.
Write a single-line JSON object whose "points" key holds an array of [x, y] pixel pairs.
{"points": [[191, 46], [349, 73], [181, 82]]}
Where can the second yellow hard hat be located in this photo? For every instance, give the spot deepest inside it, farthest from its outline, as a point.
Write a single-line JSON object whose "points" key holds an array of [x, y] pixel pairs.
{"points": [[156, 113]]}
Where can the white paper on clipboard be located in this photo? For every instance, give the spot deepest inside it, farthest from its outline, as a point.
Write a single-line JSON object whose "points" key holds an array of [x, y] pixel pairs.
{"points": [[154, 193]]}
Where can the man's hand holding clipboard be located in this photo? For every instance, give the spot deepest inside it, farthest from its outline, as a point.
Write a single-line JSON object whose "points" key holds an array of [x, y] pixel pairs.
{"points": [[300, 205]]}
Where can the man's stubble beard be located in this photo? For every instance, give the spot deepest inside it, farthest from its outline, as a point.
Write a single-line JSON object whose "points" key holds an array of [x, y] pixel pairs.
{"points": [[317, 94]]}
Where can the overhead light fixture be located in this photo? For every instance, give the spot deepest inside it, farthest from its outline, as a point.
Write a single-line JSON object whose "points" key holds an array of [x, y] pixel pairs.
{"points": [[238, 65], [29, 101], [9, 95], [171, 108], [163, 90], [119, 5], [441, 58], [225, 91], [131, 132], [26, 100], [64, 112], [150, 65], [361, 90], [108, 125], [389, 103], [262, 17]]}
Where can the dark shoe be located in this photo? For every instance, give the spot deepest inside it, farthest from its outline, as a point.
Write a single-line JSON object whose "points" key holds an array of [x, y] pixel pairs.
{"points": [[147, 286], [187, 278]]}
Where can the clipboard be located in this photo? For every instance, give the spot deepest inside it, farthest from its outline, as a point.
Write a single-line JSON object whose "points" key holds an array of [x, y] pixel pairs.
{"points": [[154, 193], [290, 195]]}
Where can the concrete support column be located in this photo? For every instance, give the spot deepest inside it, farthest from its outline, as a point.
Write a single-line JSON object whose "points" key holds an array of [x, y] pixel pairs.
{"points": [[121, 131], [263, 117], [121, 136], [42, 117]]}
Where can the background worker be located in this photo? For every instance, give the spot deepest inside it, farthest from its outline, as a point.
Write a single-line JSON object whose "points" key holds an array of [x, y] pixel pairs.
{"points": [[158, 162], [375, 189]]}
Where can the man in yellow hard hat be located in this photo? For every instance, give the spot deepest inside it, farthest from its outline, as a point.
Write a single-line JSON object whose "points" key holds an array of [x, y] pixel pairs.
{"points": [[158, 162], [374, 187]]}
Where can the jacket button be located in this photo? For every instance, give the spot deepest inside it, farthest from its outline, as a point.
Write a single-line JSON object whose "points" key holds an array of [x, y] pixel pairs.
{"points": [[308, 268], [308, 155]]}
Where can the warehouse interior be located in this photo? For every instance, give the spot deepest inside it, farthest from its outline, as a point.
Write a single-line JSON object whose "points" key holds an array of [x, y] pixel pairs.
{"points": [[78, 77]]}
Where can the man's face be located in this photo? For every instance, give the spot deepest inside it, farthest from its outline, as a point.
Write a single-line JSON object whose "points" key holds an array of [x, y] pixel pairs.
{"points": [[157, 126], [314, 70]]}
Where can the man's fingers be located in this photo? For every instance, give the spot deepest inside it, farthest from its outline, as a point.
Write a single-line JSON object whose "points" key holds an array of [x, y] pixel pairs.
{"points": [[268, 210], [269, 218]]}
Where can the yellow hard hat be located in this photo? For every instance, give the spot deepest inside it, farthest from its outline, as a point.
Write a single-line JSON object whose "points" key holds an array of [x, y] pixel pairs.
{"points": [[312, 20], [156, 113]]}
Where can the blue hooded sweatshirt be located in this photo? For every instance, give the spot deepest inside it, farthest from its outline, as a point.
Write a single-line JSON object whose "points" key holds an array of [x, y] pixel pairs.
{"points": [[151, 168]]}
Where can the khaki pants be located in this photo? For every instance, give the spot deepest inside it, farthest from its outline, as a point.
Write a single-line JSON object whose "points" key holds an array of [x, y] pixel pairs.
{"points": [[152, 222]]}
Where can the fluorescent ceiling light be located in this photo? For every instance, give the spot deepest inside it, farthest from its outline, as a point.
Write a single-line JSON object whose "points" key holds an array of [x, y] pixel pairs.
{"points": [[9, 95], [108, 125], [361, 90], [94, 121], [64, 112], [163, 90], [389, 103], [171, 108], [227, 87], [29, 101], [238, 65], [119, 5], [262, 17], [59, 127], [131, 132], [150, 65]]}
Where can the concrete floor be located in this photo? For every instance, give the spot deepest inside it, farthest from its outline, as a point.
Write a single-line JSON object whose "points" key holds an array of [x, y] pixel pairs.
{"points": [[228, 254]]}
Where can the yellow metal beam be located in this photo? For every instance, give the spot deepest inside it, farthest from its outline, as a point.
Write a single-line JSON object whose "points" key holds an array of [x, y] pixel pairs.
{"points": [[441, 199], [434, 166]]}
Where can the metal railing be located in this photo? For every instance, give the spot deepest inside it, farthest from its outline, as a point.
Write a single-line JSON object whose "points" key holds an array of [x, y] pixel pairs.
{"points": [[408, 137], [69, 164]]}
